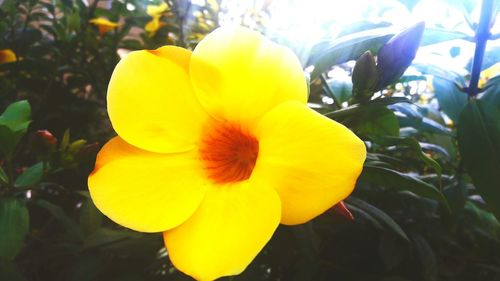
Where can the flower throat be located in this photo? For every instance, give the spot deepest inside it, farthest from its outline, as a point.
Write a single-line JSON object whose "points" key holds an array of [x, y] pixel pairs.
{"points": [[228, 153]]}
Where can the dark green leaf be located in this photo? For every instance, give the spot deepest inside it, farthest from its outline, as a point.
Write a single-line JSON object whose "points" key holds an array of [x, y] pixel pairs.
{"points": [[31, 176], [413, 144], [396, 180], [28, 36], [104, 237], [358, 108], [392, 251], [426, 256], [379, 215], [86, 268], [59, 214], [9, 140], [450, 99], [90, 218], [14, 225], [9, 271], [376, 121], [479, 143], [358, 212]]}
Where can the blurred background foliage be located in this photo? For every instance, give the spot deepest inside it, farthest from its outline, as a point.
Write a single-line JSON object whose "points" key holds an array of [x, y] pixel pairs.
{"points": [[426, 206]]}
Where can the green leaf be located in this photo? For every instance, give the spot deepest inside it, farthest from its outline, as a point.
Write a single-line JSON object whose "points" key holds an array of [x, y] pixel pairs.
{"points": [[14, 225], [65, 140], [348, 48], [358, 108], [31, 176], [75, 146], [450, 99], [14, 122], [376, 121], [58, 213], [399, 181], [479, 143], [438, 35], [379, 215], [17, 116]]}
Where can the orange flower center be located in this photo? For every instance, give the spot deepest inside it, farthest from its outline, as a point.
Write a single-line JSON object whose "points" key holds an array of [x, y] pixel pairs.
{"points": [[229, 153]]}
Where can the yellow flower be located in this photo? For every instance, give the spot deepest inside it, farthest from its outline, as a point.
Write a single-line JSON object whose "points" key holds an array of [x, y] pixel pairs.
{"points": [[104, 25], [156, 10], [488, 73], [217, 147], [7, 55], [153, 25]]}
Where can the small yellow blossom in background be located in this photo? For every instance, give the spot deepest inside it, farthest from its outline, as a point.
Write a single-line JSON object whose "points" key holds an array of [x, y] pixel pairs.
{"points": [[7, 55], [155, 11], [153, 25], [488, 73], [216, 147], [104, 25]]}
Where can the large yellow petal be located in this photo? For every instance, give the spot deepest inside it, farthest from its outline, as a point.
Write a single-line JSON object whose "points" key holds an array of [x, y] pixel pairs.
{"points": [[312, 161], [151, 103], [146, 191], [232, 225], [239, 75]]}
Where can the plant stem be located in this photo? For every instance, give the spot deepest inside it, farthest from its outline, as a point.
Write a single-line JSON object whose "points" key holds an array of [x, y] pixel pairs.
{"points": [[329, 91], [482, 36]]}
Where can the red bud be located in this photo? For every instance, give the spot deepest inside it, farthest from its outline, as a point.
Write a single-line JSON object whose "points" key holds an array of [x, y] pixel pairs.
{"points": [[47, 136], [43, 141]]}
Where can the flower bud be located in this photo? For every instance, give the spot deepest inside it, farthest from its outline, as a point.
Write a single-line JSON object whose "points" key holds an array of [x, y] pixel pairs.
{"points": [[397, 54], [43, 141], [364, 77]]}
